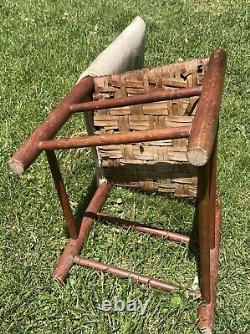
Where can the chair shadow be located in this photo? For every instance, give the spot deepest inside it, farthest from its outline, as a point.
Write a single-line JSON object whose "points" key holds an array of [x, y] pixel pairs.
{"points": [[83, 204], [193, 249]]}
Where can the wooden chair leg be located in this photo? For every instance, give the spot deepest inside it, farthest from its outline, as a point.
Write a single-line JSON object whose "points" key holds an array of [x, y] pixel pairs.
{"points": [[206, 312], [61, 191], [74, 246], [209, 219], [204, 235]]}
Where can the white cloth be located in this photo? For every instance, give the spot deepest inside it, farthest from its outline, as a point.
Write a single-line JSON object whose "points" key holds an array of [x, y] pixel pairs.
{"points": [[125, 53]]}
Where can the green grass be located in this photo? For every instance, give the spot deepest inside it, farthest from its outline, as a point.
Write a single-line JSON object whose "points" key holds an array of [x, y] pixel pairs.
{"points": [[44, 46]]}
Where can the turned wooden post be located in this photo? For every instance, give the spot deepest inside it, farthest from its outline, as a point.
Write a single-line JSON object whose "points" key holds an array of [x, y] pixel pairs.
{"points": [[61, 191], [204, 128]]}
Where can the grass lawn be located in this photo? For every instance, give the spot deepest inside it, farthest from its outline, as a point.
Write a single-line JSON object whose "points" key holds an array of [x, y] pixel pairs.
{"points": [[44, 46]]}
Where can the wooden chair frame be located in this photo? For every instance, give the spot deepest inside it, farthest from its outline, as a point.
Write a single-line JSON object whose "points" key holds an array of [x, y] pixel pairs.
{"points": [[202, 141]]}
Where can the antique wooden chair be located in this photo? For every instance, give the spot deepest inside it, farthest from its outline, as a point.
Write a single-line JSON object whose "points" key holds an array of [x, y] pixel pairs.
{"points": [[153, 129]]}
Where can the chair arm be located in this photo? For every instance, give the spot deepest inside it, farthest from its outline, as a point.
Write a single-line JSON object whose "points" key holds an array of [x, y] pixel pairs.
{"points": [[205, 124], [30, 149], [117, 138]]}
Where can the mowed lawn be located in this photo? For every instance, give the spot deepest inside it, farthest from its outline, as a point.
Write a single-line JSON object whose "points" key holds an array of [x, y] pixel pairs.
{"points": [[44, 46]]}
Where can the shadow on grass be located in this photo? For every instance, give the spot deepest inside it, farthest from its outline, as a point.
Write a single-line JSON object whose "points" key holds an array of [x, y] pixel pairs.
{"points": [[193, 249], [83, 204]]}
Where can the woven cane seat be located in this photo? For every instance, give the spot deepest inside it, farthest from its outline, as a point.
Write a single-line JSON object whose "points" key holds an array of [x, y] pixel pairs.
{"points": [[160, 165]]}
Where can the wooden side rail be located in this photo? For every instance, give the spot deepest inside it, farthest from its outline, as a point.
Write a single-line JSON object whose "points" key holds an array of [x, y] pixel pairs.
{"points": [[204, 128], [118, 138], [30, 150], [161, 95]]}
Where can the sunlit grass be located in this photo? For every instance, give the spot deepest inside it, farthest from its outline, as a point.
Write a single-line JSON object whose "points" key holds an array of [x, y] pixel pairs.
{"points": [[44, 46]]}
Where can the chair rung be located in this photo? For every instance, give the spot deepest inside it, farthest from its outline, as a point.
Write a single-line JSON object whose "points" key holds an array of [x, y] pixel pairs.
{"points": [[117, 138], [161, 95], [135, 277], [144, 228]]}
